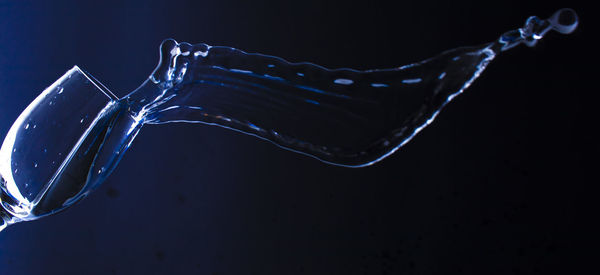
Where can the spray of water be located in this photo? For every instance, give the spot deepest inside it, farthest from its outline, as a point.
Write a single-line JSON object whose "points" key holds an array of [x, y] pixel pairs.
{"points": [[53, 157]]}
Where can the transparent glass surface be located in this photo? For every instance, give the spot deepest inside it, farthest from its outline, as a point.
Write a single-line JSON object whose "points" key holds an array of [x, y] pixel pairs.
{"points": [[71, 137], [47, 157]]}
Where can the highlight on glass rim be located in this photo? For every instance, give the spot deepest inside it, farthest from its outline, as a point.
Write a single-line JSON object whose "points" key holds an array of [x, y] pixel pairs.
{"points": [[72, 136]]}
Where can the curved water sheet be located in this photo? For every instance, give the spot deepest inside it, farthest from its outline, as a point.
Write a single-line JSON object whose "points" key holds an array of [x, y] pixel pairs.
{"points": [[70, 138], [344, 117]]}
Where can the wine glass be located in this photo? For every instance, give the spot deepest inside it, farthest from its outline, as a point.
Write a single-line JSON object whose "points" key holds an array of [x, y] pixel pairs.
{"points": [[54, 140]]}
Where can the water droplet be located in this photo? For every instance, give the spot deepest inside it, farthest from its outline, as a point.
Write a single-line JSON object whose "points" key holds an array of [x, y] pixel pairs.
{"points": [[175, 51], [60, 90], [35, 164], [411, 81], [200, 53], [379, 85], [343, 81], [81, 121], [240, 71], [27, 126]]}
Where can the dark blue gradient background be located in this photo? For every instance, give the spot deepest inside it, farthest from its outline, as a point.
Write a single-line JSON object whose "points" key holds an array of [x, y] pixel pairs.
{"points": [[501, 183]]}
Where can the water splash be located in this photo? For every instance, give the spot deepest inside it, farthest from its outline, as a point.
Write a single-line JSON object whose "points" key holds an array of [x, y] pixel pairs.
{"points": [[57, 152], [343, 116]]}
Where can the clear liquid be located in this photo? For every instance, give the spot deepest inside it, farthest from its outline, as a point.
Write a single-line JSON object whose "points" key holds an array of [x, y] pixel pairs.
{"points": [[89, 163], [96, 157], [343, 116]]}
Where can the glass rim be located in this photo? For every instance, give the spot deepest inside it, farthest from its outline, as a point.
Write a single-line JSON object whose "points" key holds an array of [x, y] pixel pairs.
{"points": [[95, 82]]}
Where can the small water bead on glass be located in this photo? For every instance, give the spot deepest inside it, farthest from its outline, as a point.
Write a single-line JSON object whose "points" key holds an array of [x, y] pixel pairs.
{"points": [[72, 136]]}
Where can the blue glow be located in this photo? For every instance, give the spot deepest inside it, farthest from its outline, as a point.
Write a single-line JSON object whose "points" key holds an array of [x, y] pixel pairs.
{"points": [[379, 85], [343, 81], [411, 81]]}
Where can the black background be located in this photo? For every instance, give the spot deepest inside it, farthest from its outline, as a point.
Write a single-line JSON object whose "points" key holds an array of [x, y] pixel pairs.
{"points": [[503, 182]]}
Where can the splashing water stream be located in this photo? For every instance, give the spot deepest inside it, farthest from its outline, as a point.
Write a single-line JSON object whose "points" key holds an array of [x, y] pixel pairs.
{"points": [[343, 116]]}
